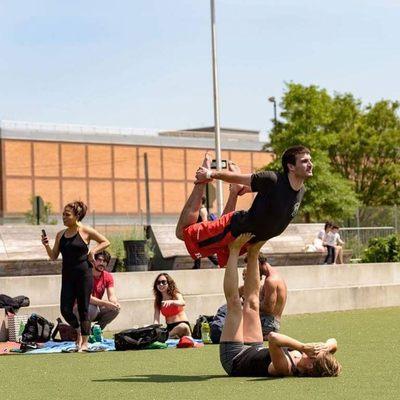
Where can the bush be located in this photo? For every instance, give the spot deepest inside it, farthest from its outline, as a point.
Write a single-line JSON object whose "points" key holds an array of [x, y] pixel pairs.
{"points": [[46, 217], [385, 249]]}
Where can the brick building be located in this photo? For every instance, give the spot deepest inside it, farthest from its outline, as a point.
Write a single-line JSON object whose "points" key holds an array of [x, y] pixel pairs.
{"points": [[104, 167]]}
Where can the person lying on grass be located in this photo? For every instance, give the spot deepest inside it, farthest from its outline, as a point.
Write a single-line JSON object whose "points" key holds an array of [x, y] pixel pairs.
{"points": [[242, 352]]}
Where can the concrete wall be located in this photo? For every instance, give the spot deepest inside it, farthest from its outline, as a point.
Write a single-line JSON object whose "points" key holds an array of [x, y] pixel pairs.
{"points": [[311, 289]]}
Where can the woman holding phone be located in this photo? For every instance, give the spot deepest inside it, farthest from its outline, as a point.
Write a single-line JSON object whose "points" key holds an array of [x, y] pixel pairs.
{"points": [[77, 260]]}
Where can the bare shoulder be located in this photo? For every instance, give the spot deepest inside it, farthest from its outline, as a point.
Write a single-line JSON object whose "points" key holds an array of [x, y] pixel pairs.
{"points": [[271, 282], [60, 233]]}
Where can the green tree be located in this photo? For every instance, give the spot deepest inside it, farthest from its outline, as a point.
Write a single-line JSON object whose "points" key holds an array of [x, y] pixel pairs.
{"points": [[307, 114], [356, 150], [366, 148]]}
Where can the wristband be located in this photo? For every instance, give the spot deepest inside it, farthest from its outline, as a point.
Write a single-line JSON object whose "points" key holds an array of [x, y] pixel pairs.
{"points": [[208, 174]]}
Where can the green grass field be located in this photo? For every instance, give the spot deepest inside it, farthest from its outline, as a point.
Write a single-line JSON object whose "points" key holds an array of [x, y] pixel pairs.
{"points": [[368, 345]]}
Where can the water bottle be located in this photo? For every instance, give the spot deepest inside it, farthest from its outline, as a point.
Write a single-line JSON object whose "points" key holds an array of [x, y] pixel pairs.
{"points": [[205, 332], [97, 333]]}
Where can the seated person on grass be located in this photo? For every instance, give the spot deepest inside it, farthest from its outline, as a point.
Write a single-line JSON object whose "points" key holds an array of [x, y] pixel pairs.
{"points": [[102, 311], [242, 352], [169, 302]]}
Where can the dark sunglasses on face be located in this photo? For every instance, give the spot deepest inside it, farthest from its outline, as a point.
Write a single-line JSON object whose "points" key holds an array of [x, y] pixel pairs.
{"points": [[162, 283]]}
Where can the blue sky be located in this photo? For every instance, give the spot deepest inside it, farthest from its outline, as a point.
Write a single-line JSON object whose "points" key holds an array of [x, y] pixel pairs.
{"points": [[147, 63]]}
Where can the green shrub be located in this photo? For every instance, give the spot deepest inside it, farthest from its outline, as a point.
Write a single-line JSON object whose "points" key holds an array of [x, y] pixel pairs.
{"points": [[46, 217], [385, 249]]}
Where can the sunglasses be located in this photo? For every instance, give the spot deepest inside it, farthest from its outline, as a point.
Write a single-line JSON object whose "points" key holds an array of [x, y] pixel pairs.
{"points": [[162, 283]]}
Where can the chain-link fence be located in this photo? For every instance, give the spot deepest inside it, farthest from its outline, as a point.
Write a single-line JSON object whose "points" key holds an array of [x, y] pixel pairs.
{"points": [[384, 216]]}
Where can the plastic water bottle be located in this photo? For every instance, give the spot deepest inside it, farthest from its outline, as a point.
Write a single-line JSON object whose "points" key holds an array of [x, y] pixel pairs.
{"points": [[205, 332], [97, 334]]}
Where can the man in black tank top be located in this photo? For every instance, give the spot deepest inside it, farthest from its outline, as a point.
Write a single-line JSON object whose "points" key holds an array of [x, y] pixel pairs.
{"points": [[242, 352]]}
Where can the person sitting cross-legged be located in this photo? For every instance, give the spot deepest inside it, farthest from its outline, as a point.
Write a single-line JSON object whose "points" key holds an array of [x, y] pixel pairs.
{"points": [[242, 352]]}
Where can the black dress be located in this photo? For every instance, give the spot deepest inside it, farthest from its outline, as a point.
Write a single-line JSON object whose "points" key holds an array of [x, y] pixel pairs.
{"points": [[77, 281]]}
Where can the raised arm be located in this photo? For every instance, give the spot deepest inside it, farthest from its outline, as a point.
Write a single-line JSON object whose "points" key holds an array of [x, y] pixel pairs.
{"points": [[204, 174], [54, 252], [280, 362]]}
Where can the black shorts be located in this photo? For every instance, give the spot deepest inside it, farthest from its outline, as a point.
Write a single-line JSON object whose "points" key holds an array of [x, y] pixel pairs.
{"points": [[174, 324]]}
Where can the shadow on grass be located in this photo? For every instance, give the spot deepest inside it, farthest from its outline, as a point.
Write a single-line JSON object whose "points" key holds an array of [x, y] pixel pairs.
{"points": [[171, 378]]}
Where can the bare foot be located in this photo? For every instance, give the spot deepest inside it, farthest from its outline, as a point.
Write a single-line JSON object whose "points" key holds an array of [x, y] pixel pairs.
{"points": [[201, 172], [234, 187], [78, 341], [85, 343]]}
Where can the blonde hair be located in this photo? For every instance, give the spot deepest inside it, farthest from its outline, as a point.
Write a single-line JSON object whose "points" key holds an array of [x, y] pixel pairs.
{"points": [[326, 365]]}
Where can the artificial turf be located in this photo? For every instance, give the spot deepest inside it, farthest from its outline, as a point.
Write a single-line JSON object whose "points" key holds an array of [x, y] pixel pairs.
{"points": [[368, 344]]}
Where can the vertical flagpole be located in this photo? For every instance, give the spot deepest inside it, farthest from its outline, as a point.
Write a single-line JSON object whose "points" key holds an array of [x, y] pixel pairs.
{"points": [[220, 200]]}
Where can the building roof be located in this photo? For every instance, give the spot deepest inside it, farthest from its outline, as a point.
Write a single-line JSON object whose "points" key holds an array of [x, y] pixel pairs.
{"points": [[231, 139]]}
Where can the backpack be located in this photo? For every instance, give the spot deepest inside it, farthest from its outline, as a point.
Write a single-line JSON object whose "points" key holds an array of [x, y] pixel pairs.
{"points": [[67, 332], [140, 338], [196, 334], [37, 330]]}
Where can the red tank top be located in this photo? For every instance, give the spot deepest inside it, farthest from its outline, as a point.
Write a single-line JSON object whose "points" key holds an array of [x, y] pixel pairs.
{"points": [[170, 311]]}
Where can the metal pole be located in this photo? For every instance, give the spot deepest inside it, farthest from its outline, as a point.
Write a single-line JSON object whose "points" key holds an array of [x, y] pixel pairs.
{"points": [[146, 181], [220, 199], [37, 198]]}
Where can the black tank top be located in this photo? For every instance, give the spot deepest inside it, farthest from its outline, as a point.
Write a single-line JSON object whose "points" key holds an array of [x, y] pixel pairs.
{"points": [[255, 361], [74, 250]]}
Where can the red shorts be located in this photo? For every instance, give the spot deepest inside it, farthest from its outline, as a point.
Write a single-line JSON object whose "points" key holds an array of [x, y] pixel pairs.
{"points": [[211, 237]]}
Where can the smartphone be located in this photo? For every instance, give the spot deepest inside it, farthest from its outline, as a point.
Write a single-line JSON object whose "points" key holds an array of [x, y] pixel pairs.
{"points": [[44, 233], [224, 164]]}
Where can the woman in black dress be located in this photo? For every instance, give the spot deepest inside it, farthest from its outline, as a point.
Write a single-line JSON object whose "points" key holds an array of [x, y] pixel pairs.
{"points": [[77, 260]]}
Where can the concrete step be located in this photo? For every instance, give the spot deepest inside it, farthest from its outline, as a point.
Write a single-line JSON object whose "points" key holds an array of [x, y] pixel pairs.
{"points": [[45, 289], [138, 312]]}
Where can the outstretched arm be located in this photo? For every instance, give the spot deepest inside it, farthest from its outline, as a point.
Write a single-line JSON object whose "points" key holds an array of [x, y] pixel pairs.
{"points": [[204, 174]]}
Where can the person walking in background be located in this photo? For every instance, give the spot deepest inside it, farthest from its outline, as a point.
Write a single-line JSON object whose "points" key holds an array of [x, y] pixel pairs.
{"points": [[77, 263], [170, 303]]}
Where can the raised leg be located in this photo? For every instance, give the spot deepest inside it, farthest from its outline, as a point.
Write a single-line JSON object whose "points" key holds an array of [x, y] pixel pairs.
{"points": [[233, 327], [252, 330], [190, 211]]}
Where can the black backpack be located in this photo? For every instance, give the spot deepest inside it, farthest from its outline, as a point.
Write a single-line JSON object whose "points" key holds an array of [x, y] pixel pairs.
{"points": [[196, 334], [140, 338], [37, 330]]}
